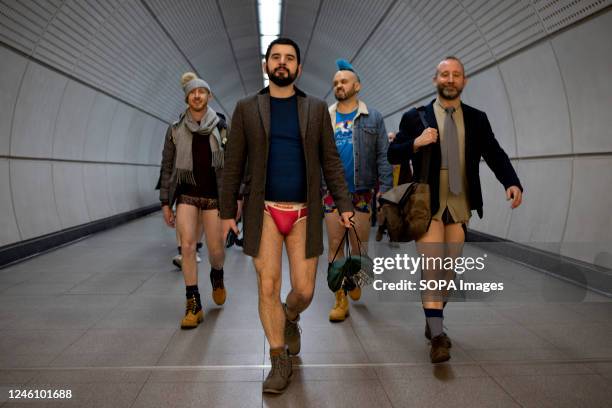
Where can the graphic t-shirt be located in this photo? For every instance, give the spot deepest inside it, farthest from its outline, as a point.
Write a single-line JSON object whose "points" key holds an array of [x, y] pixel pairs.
{"points": [[343, 133]]}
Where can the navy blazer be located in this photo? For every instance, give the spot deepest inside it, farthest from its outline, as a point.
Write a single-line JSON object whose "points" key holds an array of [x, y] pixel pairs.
{"points": [[479, 142]]}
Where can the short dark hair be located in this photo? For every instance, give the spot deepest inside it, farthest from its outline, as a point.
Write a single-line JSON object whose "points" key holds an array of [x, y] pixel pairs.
{"points": [[284, 41], [451, 57]]}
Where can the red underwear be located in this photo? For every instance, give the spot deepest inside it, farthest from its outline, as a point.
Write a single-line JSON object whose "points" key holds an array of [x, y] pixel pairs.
{"points": [[285, 216]]}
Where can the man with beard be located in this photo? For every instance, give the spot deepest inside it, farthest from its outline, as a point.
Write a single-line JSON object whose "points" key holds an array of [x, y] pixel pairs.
{"points": [[362, 142], [285, 138], [191, 165], [457, 137]]}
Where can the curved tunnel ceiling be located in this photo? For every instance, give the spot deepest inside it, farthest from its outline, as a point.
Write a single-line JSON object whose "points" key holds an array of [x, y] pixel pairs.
{"points": [[136, 50], [101, 80]]}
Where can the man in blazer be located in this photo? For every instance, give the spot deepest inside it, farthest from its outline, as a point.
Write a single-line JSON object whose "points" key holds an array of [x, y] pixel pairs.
{"points": [[280, 141], [457, 137]]}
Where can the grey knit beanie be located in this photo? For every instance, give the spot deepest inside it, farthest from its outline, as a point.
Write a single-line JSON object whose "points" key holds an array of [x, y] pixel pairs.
{"points": [[193, 84]]}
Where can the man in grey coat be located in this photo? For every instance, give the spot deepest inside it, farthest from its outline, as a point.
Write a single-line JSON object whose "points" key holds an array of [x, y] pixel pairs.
{"points": [[286, 139]]}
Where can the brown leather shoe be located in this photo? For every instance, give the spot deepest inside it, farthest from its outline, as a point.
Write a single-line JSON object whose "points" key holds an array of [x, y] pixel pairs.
{"points": [[447, 339], [193, 315], [439, 352], [279, 376]]}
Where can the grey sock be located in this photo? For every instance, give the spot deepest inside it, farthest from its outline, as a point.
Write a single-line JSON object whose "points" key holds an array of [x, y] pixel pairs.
{"points": [[435, 325]]}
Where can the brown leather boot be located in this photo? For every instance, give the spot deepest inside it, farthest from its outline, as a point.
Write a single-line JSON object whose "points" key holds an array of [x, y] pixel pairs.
{"points": [[293, 336], [440, 351], [280, 374]]}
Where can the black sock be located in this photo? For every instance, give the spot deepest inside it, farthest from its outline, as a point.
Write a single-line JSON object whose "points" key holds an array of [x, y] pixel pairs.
{"points": [[191, 292], [216, 274], [178, 248], [435, 318]]}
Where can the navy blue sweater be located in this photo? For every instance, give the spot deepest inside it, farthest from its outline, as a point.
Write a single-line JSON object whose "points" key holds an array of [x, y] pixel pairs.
{"points": [[286, 174]]}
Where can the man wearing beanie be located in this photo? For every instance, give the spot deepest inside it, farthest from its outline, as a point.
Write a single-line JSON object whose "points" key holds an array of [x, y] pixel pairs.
{"points": [[192, 161], [286, 140], [362, 142]]}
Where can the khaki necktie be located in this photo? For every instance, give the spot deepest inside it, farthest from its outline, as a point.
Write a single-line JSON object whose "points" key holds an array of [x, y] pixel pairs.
{"points": [[452, 145]]}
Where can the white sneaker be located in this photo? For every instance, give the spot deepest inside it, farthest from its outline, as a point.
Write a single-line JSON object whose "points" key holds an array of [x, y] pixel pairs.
{"points": [[178, 261], [198, 259]]}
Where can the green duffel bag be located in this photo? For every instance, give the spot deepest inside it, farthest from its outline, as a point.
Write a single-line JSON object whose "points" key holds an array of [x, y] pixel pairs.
{"points": [[355, 269]]}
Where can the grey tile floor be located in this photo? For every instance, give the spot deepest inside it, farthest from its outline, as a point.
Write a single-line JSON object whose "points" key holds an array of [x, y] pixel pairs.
{"points": [[100, 317]]}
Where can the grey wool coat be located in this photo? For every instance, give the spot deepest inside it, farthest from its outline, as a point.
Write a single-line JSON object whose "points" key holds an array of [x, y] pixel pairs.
{"points": [[246, 159]]}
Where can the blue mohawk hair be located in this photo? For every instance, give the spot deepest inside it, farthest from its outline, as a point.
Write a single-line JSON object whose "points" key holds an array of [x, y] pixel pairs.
{"points": [[344, 65]]}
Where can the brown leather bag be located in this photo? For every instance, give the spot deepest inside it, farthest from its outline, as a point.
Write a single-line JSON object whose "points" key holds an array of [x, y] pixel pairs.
{"points": [[407, 208]]}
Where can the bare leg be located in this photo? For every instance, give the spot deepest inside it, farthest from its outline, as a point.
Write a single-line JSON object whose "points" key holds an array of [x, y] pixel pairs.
{"points": [[335, 232], [362, 226], [211, 226], [268, 267], [303, 271], [186, 224], [200, 229], [454, 238], [431, 244]]}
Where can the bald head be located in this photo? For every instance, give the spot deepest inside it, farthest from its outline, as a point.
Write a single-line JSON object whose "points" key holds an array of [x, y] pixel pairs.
{"points": [[452, 61], [346, 85], [450, 79]]}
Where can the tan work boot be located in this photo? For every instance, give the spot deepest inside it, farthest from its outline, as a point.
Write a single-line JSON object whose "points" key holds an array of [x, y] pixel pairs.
{"points": [[292, 334], [193, 314], [355, 293], [280, 374], [340, 309], [219, 294]]}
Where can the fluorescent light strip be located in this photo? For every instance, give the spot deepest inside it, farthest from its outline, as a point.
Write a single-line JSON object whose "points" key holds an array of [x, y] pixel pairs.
{"points": [[269, 25]]}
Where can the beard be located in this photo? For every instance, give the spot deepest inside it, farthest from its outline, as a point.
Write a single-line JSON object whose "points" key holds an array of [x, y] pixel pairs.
{"points": [[343, 96], [449, 92], [281, 81], [198, 106]]}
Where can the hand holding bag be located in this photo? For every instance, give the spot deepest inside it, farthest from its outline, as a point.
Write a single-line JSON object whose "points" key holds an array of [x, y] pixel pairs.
{"points": [[358, 269], [407, 207]]}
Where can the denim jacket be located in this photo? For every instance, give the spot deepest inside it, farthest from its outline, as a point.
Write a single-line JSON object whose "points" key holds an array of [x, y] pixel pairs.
{"points": [[370, 144]]}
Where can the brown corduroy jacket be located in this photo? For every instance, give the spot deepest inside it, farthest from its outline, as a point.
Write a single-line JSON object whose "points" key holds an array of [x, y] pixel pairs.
{"points": [[247, 151]]}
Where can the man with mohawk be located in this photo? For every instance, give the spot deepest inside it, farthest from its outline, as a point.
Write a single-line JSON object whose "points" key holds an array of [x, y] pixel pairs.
{"points": [[362, 142]]}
